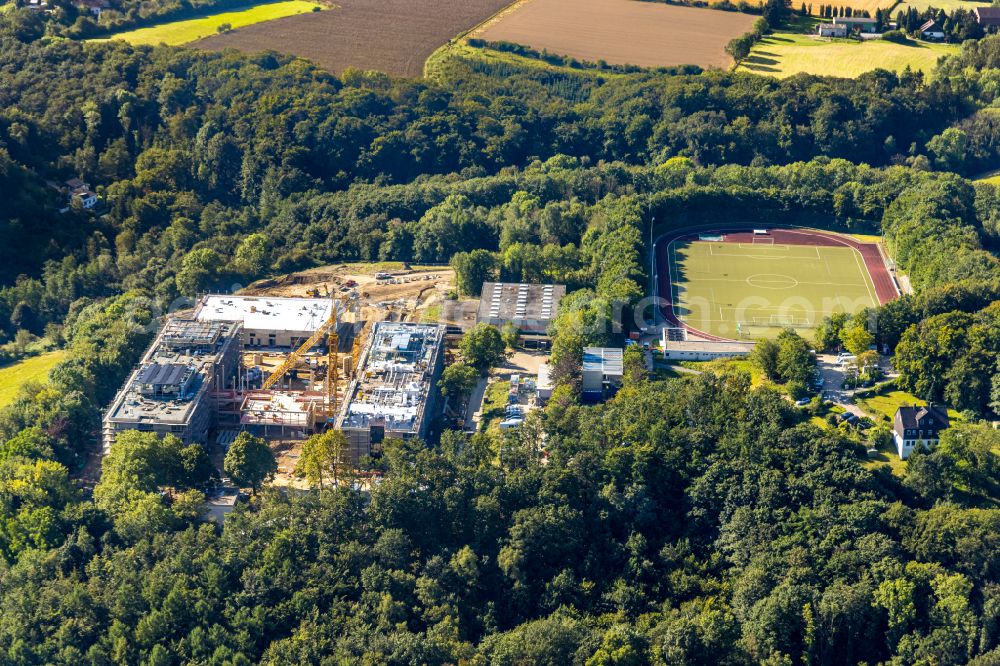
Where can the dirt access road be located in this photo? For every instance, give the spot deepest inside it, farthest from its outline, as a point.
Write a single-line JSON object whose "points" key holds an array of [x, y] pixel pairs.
{"points": [[622, 32]]}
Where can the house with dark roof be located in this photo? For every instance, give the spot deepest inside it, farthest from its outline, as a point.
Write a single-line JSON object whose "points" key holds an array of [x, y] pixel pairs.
{"points": [[988, 18], [931, 32], [915, 426]]}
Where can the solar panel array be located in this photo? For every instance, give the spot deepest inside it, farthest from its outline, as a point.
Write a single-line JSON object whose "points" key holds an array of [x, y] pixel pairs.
{"points": [[495, 303], [547, 302], [521, 309]]}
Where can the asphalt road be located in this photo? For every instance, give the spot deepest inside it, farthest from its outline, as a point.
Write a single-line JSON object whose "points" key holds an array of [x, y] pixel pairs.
{"points": [[833, 375]]}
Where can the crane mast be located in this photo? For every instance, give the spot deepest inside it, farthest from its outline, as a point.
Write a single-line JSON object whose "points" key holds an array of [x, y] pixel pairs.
{"points": [[328, 328]]}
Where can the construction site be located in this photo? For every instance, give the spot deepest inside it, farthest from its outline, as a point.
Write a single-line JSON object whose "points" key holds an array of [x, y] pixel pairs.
{"points": [[285, 359]]}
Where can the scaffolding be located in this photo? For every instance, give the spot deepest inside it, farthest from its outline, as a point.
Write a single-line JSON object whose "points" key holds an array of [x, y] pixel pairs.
{"points": [[394, 385]]}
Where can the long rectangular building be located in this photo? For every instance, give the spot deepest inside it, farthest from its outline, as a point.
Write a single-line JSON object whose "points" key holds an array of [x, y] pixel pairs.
{"points": [[170, 392], [394, 392], [704, 350], [529, 307], [268, 321]]}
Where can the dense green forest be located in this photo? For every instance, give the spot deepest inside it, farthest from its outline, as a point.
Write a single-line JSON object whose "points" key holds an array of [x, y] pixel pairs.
{"points": [[71, 18], [697, 520]]}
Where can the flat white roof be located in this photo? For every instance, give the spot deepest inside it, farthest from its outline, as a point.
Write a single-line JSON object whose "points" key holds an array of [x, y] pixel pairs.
{"points": [[709, 346], [266, 312], [544, 376]]}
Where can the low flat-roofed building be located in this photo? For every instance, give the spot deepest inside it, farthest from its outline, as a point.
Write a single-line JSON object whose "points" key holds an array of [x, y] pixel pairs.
{"points": [[544, 386], [221, 505], [529, 307], [170, 392], [394, 391], [268, 321], [603, 368], [703, 350]]}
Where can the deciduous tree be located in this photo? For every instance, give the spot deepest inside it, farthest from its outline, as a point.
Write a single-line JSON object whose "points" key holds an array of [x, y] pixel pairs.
{"points": [[249, 461]]}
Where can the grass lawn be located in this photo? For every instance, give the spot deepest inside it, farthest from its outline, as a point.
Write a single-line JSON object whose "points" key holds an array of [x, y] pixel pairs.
{"points": [[15, 375], [866, 238], [182, 32], [432, 314], [433, 66], [887, 457], [755, 290], [887, 404], [992, 177], [785, 54], [494, 404], [721, 365]]}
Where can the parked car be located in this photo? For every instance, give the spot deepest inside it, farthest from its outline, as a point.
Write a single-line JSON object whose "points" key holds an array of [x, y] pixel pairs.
{"points": [[802, 402]]}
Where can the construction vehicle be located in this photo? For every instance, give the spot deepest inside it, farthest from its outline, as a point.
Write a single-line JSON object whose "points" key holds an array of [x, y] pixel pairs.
{"points": [[328, 328]]}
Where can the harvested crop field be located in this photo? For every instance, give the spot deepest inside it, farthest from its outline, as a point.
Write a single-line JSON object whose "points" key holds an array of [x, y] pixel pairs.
{"points": [[393, 36], [622, 32]]}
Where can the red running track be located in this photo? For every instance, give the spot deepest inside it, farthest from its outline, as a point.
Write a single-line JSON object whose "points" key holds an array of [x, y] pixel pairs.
{"points": [[885, 288]]}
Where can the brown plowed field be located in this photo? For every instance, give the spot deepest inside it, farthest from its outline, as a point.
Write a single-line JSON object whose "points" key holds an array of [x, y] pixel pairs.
{"points": [[623, 32], [394, 36]]}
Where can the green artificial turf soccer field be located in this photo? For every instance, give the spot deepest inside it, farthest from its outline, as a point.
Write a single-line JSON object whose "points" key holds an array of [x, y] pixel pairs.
{"points": [[748, 291]]}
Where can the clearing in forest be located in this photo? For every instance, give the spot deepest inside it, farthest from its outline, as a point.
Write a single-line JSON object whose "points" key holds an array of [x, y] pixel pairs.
{"points": [[32, 369], [742, 286], [622, 32], [785, 54], [185, 31], [991, 177]]}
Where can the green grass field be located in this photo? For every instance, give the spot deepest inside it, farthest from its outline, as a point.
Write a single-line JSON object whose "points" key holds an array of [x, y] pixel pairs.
{"points": [[494, 404], [992, 177], [887, 404], [748, 290], [785, 54], [15, 375], [190, 30], [437, 61]]}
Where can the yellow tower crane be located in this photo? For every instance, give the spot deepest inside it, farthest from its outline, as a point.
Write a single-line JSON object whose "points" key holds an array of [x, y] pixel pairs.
{"points": [[329, 327]]}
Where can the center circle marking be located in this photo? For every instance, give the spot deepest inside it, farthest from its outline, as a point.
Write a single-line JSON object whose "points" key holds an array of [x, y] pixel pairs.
{"points": [[772, 281]]}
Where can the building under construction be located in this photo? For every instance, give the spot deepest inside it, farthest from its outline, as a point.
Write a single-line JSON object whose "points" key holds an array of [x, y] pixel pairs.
{"points": [[283, 378], [173, 389], [394, 392]]}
